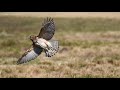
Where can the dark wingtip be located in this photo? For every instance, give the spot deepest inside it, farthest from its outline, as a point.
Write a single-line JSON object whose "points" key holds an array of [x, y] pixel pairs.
{"points": [[18, 63], [49, 19]]}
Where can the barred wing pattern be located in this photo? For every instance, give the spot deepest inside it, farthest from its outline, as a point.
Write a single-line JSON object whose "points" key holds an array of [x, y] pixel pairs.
{"points": [[48, 29], [30, 54]]}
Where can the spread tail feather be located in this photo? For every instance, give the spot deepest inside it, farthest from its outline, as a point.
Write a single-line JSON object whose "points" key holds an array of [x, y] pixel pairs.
{"points": [[52, 51]]}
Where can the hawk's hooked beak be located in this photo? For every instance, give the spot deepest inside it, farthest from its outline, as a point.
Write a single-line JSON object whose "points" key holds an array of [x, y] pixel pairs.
{"points": [[33, 38]]}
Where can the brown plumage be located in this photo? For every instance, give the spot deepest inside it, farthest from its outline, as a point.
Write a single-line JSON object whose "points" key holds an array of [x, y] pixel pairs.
{"points": [[48, 29]]}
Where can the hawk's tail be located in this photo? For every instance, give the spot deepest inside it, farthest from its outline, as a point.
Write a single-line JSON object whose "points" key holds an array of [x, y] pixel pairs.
{"points": [[53, 50]]}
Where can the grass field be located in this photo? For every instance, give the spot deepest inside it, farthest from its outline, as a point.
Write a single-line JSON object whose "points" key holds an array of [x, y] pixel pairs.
{"points": [[89, 48]]}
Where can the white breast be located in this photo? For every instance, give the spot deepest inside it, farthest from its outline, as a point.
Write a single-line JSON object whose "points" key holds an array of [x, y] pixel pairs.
{"points": [[43, 43], [46, 42]]}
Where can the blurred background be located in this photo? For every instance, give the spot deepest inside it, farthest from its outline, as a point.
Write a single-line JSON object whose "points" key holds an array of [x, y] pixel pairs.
{"points": [[89, 45]]}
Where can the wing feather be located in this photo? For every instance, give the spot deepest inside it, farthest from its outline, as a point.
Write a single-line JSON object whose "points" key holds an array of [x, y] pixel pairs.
{"points": [[48, 29], [30, 54]]}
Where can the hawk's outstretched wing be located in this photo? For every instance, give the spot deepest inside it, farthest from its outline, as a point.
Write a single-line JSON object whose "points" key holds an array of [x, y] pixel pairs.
{"points": [[30, 54], [48, 29]]}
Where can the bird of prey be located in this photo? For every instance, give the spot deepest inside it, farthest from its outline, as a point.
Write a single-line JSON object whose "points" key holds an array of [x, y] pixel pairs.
{"points": [[41, 42]]}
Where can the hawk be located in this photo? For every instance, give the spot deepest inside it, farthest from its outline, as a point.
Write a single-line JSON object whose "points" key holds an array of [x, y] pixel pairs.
{"points": [[41, 42]]}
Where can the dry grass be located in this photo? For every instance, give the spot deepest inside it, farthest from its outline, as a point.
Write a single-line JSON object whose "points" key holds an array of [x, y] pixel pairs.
{"points": [[89, 48]]}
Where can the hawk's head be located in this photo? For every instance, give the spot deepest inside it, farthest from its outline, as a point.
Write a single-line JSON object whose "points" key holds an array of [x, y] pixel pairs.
{"points": [[33, 38]]}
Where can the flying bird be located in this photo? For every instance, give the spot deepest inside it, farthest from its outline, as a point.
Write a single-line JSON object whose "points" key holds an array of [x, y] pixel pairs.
{"points": [[42, 43]]}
